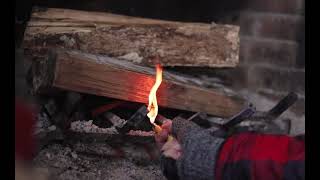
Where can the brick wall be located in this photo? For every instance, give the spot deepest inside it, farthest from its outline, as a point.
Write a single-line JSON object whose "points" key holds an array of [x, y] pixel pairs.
{"points": [[272, 49]]}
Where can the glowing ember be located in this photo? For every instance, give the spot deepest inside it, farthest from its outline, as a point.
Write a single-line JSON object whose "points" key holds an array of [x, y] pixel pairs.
{"points": [[153, 104]]}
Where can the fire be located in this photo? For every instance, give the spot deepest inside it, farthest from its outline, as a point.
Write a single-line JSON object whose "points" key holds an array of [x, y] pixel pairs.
{"points": [[153, 104]]}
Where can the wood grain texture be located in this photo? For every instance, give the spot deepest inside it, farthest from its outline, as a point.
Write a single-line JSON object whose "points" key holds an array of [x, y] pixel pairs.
{"points": [[105, 76], [137, 40]]}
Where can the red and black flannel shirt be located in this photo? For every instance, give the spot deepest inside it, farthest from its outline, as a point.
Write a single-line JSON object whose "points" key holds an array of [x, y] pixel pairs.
{"points": [[256, 156]]}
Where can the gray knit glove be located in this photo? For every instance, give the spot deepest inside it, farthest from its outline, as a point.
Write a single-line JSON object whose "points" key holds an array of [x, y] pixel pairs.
{"points": [[199, 150]]}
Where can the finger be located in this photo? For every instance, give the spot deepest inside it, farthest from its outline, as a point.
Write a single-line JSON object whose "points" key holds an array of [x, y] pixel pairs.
{"points": [[172, 153], [174, 144], [167, 125], [161, 139], [166, 146], [162, 136], [172, 149]]}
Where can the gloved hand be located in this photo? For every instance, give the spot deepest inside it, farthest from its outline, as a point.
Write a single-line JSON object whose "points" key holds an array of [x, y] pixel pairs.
{"points": [[191, 154]]}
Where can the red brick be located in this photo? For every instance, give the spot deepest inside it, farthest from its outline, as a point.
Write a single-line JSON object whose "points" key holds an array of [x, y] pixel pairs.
{"points": [[282, 80], [234, 77], [281, 27], [247, 23], [262, 51], [301, 56], [277, 6], [266, 25]]}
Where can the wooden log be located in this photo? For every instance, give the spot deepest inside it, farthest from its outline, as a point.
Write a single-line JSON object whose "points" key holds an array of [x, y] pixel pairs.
{"points": [[105, 76], [137, 40]]}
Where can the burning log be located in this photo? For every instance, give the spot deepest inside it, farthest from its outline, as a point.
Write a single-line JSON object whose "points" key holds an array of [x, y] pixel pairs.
{"points": [[134, 39], [105, 76]]}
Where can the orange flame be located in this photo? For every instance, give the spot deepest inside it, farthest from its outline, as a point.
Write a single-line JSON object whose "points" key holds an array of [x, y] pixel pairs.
{"points": [[153, 104]]}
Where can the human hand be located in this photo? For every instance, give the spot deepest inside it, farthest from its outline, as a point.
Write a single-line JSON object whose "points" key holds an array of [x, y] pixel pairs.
{"points": [[170, 147], [192, 147]]}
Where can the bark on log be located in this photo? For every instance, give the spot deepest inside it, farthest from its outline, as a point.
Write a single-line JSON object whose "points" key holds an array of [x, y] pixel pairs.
{"points": [[105, 76], [137, 40]]}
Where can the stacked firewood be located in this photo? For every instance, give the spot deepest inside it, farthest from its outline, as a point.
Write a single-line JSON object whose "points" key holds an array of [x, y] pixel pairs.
{"points": [[95, 71]]}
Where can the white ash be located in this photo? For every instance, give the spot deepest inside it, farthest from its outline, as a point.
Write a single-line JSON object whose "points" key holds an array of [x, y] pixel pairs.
{"points": [[89, 127], [74, 155], [48, 155], [115, 120], [63, 166], [140, 133], [42, 123], [134, 152], [52, 128], [95, 148], [138, 154]]}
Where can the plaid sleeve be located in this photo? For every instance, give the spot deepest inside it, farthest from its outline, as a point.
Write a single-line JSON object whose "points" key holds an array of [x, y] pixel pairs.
{"points": [[24, 124], [261, 157]]}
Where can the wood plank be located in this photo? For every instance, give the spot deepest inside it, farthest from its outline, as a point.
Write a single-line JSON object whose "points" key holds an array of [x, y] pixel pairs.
{"points": [[138, 40], [105, 76]]}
